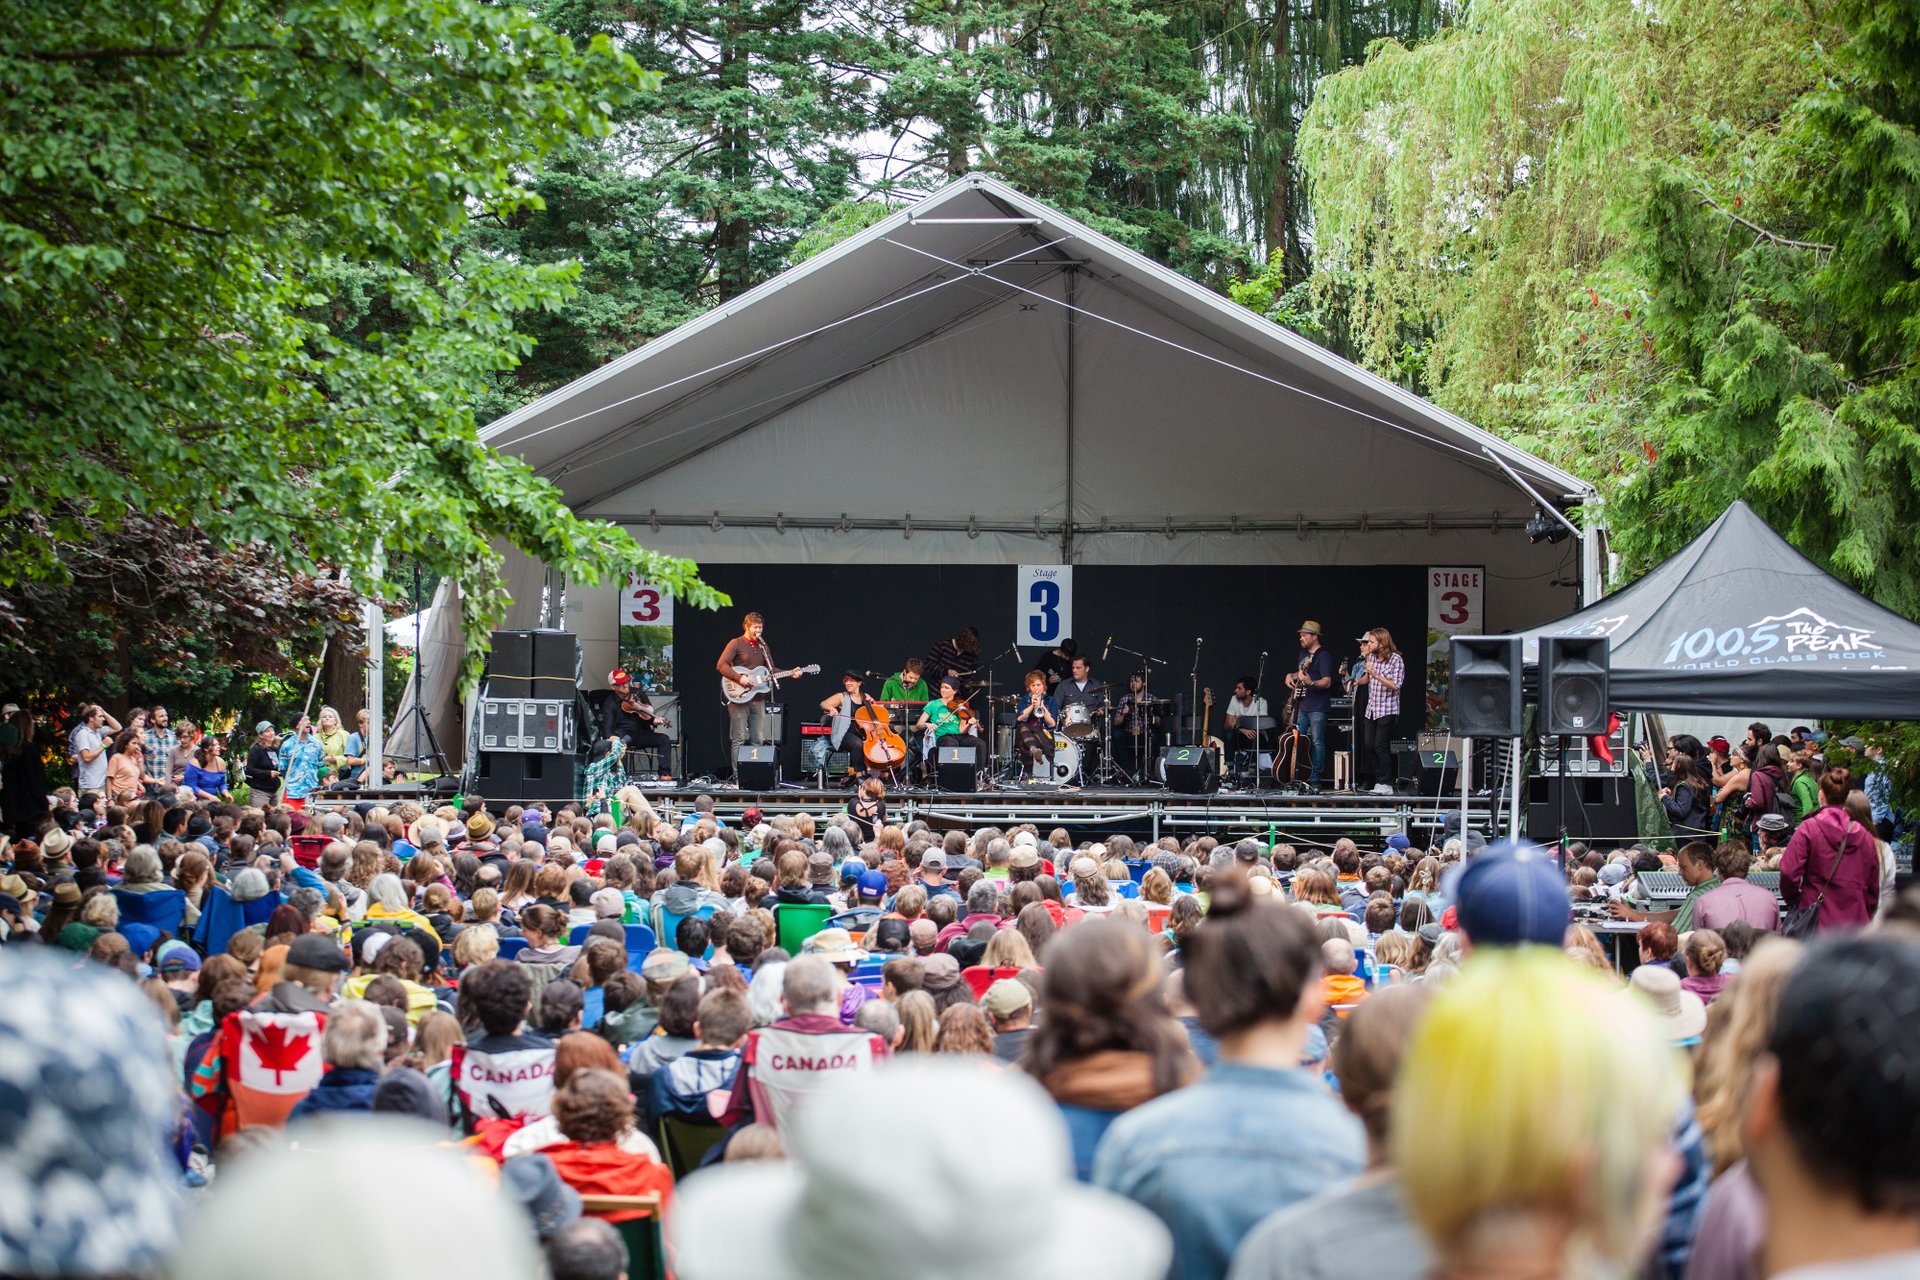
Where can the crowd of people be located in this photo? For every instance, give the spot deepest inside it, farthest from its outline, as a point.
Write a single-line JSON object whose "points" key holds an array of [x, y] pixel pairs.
{"points": [[825, 1043]]}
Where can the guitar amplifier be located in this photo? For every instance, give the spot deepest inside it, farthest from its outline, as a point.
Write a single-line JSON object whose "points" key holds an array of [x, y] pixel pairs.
{"points": [[528, 724]]}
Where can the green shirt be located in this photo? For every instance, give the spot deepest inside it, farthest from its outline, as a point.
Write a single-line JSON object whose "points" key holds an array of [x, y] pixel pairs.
{"points": [[1684, 921], [894, 691], [942, 720]]}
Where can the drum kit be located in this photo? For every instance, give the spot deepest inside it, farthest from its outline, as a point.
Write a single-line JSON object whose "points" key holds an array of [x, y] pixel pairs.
{"points": [[1083, 742]]}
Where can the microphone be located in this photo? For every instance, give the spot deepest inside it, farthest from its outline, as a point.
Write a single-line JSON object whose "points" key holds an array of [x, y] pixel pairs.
{"points": [[1263, 653], [1108, 648]]}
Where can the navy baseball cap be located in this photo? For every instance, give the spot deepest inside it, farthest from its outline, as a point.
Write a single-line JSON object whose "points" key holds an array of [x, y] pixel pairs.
{"points": [[1513, 895]]}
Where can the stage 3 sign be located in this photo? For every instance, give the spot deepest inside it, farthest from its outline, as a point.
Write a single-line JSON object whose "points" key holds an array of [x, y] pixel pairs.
{"points": [[1043, 605]]}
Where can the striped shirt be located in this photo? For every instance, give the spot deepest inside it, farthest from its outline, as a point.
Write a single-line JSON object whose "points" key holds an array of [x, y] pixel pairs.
{"points": [[1382, 701]]}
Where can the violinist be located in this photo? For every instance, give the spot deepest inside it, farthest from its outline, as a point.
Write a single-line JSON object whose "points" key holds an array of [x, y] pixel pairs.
{"points": [[631, 717], [948, 718], [1035, 721]]}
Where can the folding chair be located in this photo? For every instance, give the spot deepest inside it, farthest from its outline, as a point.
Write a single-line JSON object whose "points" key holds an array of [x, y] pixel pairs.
{"points": [[795, 922], [646, 1257], [684, 1143]]}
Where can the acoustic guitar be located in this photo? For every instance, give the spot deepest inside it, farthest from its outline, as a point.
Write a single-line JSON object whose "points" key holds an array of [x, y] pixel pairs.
{"points": [[757, 681]]}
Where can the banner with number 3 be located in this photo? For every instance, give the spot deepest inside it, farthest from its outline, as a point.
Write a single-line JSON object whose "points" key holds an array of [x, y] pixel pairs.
{"points": [[1043, 604]]}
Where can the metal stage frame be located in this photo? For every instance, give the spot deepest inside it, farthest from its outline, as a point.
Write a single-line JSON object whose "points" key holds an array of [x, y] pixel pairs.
{"points": [[1302, 819]]}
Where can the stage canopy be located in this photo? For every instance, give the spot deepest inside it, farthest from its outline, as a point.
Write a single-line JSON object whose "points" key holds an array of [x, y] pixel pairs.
{"points": [[980, 379], [1740, 623]]}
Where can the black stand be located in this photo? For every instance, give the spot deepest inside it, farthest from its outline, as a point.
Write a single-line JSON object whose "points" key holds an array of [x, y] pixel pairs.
{"points": [[435, 757]]}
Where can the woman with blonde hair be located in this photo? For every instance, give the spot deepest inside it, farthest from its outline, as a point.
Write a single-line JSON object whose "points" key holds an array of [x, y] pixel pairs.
{"points": [[1532, 1122], [1315, 888], [1156, 887], [1587, 943], [1008, 948]]}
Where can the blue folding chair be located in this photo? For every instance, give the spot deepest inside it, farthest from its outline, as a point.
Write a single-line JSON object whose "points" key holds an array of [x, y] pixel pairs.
{"points": [[666, 925], [578, 934], [512, 947], [640, 943], [1124, 888], [163, 909]]}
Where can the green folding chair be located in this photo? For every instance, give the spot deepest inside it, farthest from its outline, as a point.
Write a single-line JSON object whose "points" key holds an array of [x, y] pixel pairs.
{"points": [[684, 1143], [795, 922], [646, 1255]]}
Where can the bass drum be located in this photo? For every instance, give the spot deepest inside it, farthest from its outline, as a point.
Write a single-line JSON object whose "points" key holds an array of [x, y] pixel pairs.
{"points": [[1063, 768]]}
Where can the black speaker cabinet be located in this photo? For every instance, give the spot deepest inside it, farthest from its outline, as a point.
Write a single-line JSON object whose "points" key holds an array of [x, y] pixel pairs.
{"points": [[957, 768], [1486, 686], [1573, 685], [1190, 770], [755, 767], [556, 655], [520, 776], [1593, 808], [512, 656]]}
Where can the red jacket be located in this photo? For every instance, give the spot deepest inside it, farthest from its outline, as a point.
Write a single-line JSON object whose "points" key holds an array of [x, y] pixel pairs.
{"points": [[603, 1169], [1807, 870]]}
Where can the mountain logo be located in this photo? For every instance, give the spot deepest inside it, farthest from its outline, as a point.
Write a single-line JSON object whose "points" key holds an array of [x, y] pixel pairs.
{"points": [[1804, 631]]}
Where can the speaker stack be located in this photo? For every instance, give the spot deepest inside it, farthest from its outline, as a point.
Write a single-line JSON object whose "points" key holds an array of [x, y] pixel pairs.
{"points": [[1590, 804], [529, 714]]}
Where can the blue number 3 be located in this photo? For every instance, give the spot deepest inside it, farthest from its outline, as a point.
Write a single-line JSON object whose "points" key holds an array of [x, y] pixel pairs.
{"points": [[1045, 625]]}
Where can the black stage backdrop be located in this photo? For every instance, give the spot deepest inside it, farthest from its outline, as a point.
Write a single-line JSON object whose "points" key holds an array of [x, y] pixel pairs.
{"points": [[875, 617]]}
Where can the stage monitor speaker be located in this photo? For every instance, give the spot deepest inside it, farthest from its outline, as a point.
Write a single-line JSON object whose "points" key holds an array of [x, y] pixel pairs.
{"points": [[957, 768], [1437, 772], [1595, 808], [755, 767], [512, 655], [1573, 685], [1190, 770], [1486, 686]]}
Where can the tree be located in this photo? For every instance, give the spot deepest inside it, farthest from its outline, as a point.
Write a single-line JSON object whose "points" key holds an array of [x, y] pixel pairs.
{"points": [[183, 182]]}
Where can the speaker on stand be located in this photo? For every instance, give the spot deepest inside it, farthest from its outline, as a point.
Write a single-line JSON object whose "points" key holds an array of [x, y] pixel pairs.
{"points": [[1573, 705]]}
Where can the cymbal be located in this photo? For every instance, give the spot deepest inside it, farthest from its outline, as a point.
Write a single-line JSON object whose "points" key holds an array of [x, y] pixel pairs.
{"points": [[1108, 688]]}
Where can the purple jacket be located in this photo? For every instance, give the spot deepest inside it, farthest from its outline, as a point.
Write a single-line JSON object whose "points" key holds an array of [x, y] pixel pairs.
{"points": [[1847, 893]]}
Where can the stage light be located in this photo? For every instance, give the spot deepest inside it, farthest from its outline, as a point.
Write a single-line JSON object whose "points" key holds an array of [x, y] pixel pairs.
{"points": [[1544, 528]]}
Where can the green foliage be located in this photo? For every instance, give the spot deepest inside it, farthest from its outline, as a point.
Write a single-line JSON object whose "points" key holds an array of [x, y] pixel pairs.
{"points": [[191, 189]]}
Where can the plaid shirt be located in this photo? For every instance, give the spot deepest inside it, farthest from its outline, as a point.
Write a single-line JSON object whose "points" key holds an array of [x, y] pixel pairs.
{"points": [[159, 750], [604, 777], [1382, 701]]}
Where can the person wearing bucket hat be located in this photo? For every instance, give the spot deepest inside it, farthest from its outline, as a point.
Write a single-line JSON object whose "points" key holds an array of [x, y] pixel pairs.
{"points": [[836, 945], [84, 1168], [1312, 679], [840, 1181], [1512, 895], [1682, 1014]]}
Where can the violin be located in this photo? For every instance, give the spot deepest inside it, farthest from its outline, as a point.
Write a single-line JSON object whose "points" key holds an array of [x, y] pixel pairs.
{"points": [[883, 747], [962, 712], [634, 707]]}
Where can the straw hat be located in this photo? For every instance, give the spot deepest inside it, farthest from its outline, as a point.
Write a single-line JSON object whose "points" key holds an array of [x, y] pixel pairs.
{"points": [[1681, 1012]]}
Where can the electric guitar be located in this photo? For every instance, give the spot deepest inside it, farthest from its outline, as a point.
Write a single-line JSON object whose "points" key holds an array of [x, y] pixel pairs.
{"points": [[758, 680]]}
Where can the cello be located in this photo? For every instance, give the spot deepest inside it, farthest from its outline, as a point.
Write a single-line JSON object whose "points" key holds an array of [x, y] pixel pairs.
{"points": [[882, 746]]}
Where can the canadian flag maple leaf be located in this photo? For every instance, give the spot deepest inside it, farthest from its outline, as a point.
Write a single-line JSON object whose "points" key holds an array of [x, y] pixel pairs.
{"points": [[278, 1051]]}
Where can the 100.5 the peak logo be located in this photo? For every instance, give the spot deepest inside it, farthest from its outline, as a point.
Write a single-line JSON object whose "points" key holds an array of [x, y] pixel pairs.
{"points": [[1799, 636]]}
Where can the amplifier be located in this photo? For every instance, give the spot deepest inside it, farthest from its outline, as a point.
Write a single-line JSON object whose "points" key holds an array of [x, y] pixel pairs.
{"points": [[528, 724], [816, 730]]}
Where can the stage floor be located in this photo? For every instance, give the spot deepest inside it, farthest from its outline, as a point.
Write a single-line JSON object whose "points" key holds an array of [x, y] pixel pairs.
{"points": [[1150, 812]]}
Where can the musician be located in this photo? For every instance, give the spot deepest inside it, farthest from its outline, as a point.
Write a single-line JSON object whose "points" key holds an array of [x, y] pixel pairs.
{"points": [[1134, 725], [1377, 692], [844, 703], [908, 686], [1035, 720], [1057, 663], [949, 721], [631, 718], [1078, 689], [1243, 707], [1312, 677], [746, 721], [959, 656]]}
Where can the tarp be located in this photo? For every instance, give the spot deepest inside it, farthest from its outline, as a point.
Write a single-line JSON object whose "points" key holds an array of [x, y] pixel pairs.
{"points": [[444, 646], [1739, 623]]}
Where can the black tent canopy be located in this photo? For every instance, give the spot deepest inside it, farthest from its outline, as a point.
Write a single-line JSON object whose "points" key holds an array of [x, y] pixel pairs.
{"points": [[1740, 623]]}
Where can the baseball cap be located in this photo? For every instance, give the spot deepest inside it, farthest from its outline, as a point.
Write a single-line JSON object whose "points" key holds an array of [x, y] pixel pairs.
{"points": [[619, 677], [1023, 856], [1006, 996], [1719, 744], [1513, 895], [1398, 841], [873, 884], [263, 726], [176, 956], [663, 965], [934, 858]]}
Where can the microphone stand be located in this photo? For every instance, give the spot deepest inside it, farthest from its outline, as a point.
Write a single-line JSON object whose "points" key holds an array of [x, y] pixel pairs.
{"points": [[1193, 706], [988, 725], [1259, 682]]}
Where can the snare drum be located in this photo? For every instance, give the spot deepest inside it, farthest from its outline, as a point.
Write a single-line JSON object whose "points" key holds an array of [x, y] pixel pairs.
{"points": [[1065, 765], [1076, 720]]}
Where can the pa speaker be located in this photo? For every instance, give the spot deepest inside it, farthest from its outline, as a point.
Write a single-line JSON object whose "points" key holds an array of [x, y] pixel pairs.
{"points": [[957, 768], [1190, 770], [1486, 686], [556, 655], [512, 656], [754, 768], [1573, 685], [1436, 772], [1590, 808]]}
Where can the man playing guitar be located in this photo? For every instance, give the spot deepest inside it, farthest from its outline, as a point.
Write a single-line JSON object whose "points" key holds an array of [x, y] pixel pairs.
{"points": [[630, 716], [1312, 681], [746, 666]]}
